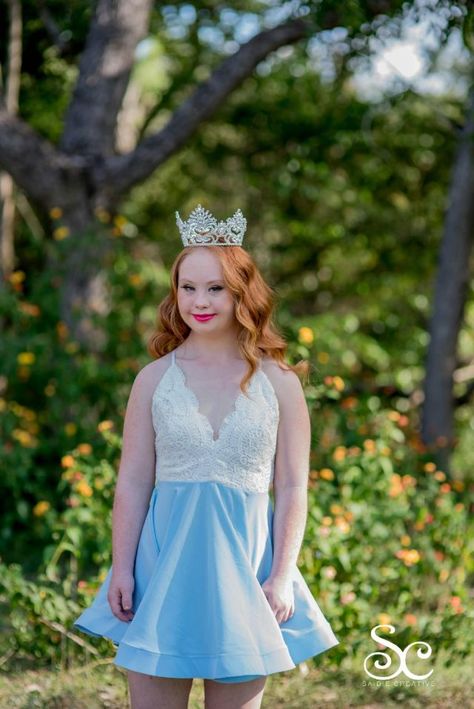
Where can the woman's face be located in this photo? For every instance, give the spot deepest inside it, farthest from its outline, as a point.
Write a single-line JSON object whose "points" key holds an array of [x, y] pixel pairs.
{"points": [[202, 291]]}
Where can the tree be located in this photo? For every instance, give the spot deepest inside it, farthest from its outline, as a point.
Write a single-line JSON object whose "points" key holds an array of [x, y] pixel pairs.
{"points": [[84, 174]]}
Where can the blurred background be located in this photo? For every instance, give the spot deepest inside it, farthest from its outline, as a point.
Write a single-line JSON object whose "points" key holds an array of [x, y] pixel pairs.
{"points": [[344, 132]]}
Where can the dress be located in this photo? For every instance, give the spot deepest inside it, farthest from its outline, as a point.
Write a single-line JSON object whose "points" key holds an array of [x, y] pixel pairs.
{"points": [[206, 547]]}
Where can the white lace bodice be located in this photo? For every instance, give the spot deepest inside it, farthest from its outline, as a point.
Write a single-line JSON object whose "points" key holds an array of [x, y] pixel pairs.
{"points": [[243, 455]]}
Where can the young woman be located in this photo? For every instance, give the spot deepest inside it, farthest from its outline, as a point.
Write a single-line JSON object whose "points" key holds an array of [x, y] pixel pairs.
{"points": [[204, 581]]}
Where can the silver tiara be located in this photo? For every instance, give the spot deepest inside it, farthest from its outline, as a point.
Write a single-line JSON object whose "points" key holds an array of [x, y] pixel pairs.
{"points": [[202, 229]]}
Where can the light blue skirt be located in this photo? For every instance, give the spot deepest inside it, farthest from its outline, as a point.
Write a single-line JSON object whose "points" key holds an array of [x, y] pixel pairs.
{"points": [[200, 612]]}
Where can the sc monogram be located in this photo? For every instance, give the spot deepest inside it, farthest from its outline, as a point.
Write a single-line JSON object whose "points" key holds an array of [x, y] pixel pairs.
{"points": [[423, 652]]}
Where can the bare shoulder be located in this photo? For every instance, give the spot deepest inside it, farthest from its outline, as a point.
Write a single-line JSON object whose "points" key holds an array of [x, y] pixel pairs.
{"points": [[148, 378], [285, 382]]}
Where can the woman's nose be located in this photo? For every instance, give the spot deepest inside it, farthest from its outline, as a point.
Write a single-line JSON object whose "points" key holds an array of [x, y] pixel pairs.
{"points": [[202, 298]]}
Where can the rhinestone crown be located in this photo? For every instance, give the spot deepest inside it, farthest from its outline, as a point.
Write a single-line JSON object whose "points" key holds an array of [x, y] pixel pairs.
{"points": [[203, 229]]}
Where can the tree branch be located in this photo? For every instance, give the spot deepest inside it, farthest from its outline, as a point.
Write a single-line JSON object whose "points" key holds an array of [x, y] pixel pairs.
{"points": [[104, 71], [119, 173], [34, 163]]}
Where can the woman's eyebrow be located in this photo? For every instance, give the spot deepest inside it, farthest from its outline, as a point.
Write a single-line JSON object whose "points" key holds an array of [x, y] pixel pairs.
{"points": [[214, 280]]}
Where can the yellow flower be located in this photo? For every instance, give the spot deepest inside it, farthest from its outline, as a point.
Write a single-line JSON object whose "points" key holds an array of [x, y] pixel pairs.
{"points": [[61, 233], [326, 474], [70, 428], [105, 425], [16, 277], [135, 279], [305, 335], [25, 358], [369, 445], [84, 489], [336, 509], [405, 540], [41, 507], [384, 618], [67, 461], [326, 521], [339, 453], [84, 448], [338, 383], [439, 475], [120, 221], [429, 467], [24, 437], [342, 524], [323, 357], [56, 213]]}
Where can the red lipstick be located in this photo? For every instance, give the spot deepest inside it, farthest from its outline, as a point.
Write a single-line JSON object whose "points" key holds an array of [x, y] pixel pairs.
{"points": [[203, 318]]}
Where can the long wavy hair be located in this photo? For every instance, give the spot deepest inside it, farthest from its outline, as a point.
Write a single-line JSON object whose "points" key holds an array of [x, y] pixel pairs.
{"points": [[254, 303]]}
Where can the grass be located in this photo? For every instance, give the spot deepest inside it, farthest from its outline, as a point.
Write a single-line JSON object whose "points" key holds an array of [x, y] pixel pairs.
{"points": [[100, 684]]}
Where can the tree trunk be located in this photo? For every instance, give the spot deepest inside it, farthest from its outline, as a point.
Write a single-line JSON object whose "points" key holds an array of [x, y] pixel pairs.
{"points": [[7, 199], [449, 299]]}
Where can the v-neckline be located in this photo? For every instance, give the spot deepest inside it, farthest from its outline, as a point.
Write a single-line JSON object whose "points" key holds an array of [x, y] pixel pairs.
{"points": [[196, 403]]}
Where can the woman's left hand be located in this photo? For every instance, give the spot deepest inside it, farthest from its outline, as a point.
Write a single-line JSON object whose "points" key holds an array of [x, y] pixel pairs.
{"points": [[280, 595]]}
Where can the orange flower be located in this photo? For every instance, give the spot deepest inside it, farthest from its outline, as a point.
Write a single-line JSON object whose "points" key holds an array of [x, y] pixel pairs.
{"points": [[349, 402], [408, 556], [338, 383], [369, 445], [445, 487], [67, 461], [40, 508], [429, 467], [326, 474], [84, 448], [439, 475], [305, 335], [339, 453], [105, 425], [456, 604], [410, 619], [83, 488]]}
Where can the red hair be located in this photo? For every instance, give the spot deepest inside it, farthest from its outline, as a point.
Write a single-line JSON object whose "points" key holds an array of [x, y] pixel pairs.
{"points": [[254, 303]]}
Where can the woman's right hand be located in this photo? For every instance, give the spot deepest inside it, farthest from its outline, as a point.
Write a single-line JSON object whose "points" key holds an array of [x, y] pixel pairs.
{"points": [[120, 595]]}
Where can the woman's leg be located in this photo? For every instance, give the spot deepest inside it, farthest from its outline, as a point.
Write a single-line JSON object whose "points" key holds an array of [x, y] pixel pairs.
{"points": [[149, 692], [237, 695]]}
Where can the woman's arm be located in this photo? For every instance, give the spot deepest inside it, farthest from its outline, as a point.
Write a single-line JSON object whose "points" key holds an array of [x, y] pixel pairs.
{"points": [[136, 473], [290, 481]]}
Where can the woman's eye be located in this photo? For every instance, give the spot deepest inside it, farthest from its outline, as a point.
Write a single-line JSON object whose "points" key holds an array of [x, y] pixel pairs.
{"points": [[218, 288]]}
